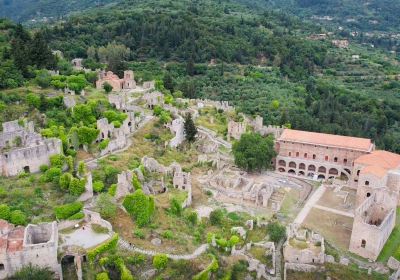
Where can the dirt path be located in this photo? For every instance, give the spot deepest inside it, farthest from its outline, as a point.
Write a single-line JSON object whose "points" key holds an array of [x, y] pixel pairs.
{"points": [[335, 211]]}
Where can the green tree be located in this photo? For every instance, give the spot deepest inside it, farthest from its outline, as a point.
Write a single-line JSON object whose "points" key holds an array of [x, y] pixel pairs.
{"points": [[216, 217], [5, 212], [31, 272], [102, 276], [77, 83], [168, 82], [190, 128], [87, 135], [77, 186], [276, 231], [17, 217], [65, 180], [98, 186], [253, 152], [160, 261], [107, 87], [139, 206]]}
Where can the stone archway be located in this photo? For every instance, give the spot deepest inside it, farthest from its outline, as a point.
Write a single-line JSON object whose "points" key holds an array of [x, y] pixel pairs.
{"points": [[292, 164], [322, 169], [321, 177], [281, 162], [292, 172], [310, 175], [333, 171], [281, 169], [311, 167], [301, 173], [302, 166]]}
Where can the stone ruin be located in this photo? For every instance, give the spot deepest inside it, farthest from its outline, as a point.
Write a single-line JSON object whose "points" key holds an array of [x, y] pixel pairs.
{"points": [[259, 127], [77, 63], [118, 84], [23, 150], [153, 99], [236, 129], [374, 220], [35, 244], [118, 137], [180, 179], [124, 185], [219, 105], [177, 128], [234, 186], [303, 246], [69, 101]]}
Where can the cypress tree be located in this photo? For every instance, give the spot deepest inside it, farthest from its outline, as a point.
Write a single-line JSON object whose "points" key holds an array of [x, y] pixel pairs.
{"points": [[190, 128]]}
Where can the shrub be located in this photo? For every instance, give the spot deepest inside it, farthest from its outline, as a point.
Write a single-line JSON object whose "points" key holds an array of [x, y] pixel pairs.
{"points": [[123, 270], [139, 206], [112, 190], [106, 206], [98, 186], [136, 183], [67, 210], [77, 186], [205, 274], [17, 217], [138, 233], [276, 231], [136, 259], [77, 216], [160, 261], [31, 272], [43, 168], [222, 242], [216, 217], [104, 144], [168, 234], [106, 246], [102, 276], [53, 174], [65, 181], [5, 212], [57, 161], [192, 218], [233, 240], [176, 207]]}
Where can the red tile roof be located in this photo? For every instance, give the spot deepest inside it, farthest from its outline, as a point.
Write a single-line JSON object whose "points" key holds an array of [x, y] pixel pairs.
{"points": [[383, 159], [323, 139]]}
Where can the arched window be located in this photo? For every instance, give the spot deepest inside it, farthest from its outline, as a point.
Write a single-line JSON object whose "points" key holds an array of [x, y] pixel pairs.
{"points": [[290, 154], [335, 159], [314, 156], [305, 155], [297, 154], [363, 243]]}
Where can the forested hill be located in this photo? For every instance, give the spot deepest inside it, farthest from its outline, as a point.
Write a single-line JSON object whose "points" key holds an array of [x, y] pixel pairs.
{"points": [[45, 10]]}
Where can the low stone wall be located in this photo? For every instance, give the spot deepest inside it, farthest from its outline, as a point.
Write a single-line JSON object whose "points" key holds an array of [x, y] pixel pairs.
{"points": [[299, 267]]}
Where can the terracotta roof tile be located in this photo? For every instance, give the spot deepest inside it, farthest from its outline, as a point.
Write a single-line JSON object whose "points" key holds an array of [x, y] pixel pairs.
{"points": [[324, 139], [383, 159], [374, 170]]}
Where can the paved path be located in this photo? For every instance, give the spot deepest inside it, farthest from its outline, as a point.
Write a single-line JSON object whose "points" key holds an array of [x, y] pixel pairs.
{"points": [[310, 204], [335, 211], [213, 137], [200, 250]]}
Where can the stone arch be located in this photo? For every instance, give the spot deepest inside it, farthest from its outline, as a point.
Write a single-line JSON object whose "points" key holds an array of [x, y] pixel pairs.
{"points": [[321, 177], [333, 171], [281, 169], [27, 169], [301, 173], [310, 175], [322, 169], [291, 171], [348, 171], [281, 162], [344, 176], [302, 166], [292, 164], [363, 243], [311, 167]]}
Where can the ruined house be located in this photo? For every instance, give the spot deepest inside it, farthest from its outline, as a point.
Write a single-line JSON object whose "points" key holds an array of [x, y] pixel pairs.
{"points": [[342, 44], [303, 246], [374, 220], [20, 246], [177, 128], [236, 129], [153, 99], [118, 84], [77, 63], [23, 150]]}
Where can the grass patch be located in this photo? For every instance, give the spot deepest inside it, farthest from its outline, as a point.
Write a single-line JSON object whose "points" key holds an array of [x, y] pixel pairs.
{"points": [[392, 245], [99, 229]]}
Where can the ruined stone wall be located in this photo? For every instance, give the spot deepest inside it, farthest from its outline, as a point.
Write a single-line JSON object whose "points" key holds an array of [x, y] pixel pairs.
{"points": [[236, 129], [31, 158], [369, 184], [367, 240], [177, 127]]}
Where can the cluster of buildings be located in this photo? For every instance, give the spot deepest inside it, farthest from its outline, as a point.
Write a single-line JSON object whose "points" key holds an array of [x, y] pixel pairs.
{"points": [[375, 174]]}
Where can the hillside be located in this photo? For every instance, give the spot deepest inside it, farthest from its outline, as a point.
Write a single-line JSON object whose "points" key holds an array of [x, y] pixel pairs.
{"points": [[45, 10]]}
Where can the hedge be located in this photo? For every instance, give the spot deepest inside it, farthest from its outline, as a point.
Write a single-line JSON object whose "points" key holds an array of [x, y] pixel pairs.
{"points": [[108, 245], [67, 210], [102, 276]]}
